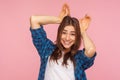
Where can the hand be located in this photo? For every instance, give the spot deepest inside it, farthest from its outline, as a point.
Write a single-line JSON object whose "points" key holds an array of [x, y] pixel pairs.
{"points": [[64, 12], [84, 23]]}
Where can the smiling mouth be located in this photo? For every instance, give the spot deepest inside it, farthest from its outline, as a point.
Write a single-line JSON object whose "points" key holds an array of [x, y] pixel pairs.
{"points": [[67, 43]]}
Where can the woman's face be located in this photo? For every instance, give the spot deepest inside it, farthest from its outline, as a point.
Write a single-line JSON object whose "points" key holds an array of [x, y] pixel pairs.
{"points": [[68, 37]]}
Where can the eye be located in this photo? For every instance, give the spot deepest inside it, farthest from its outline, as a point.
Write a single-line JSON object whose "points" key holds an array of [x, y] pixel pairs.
{"points": [[64, 32], [73, 34]]}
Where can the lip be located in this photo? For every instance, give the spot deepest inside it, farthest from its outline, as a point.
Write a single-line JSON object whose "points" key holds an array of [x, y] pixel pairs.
{"points": [[67, 42]]}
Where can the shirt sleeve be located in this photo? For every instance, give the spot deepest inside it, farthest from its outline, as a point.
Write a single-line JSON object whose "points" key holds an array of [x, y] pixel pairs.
{"points": [[85, 61], [41, 42]]}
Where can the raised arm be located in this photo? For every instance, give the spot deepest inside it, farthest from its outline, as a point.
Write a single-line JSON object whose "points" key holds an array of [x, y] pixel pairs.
{"points": [[87, 42], [36, 21]]}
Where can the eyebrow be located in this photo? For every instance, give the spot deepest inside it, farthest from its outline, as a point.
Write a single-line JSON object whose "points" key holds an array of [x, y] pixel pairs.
{"points": [[70, 31]]}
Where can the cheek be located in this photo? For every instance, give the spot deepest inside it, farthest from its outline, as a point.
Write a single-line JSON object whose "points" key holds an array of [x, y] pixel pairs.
{"points": [[73, 38], [62, 36]]}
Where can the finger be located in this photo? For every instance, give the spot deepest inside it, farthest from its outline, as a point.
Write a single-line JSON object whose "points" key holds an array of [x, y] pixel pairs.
{"points": [[80, 21], [67, 9], [63, 7], [87, 17]]}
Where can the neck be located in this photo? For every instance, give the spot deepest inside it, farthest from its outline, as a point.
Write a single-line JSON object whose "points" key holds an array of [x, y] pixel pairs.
{"points": [[66, 50]]}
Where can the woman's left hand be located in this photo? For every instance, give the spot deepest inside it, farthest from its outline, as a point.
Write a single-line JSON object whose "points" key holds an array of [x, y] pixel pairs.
{"points": [[84, 23]]}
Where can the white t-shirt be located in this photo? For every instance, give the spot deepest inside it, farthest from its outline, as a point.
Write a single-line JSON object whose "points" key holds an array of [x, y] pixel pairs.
{"points": [[56, 71]]}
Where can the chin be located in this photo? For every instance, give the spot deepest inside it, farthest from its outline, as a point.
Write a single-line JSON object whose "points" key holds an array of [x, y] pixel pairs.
{"points": [[67, 47]]}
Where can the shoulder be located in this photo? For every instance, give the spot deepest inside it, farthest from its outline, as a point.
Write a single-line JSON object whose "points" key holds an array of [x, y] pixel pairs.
{"points": [[79, 53]]}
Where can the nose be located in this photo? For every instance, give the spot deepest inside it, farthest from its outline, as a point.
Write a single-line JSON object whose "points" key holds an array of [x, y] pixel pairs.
{"points": [[67, 37]]}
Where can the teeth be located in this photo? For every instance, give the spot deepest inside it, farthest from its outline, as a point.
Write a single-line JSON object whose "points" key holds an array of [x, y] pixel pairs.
{"points": [[67, 43]]}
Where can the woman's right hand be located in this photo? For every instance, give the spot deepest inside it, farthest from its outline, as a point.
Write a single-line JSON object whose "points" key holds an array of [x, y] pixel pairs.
{"points": [[64, 12]]}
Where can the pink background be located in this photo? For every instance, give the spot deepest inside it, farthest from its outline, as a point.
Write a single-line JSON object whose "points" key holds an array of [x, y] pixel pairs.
{"points": [[19, 59]]}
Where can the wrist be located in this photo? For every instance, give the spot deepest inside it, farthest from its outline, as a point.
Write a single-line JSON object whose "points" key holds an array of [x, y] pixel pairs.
{"points": [[83, 33], [59, 20]]}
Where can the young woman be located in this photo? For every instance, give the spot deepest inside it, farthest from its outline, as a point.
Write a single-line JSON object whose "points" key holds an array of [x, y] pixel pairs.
{"points": [[63, 60]]}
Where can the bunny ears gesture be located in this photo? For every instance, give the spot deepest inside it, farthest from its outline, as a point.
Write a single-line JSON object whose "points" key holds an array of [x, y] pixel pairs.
{"points": [[84, 22]]}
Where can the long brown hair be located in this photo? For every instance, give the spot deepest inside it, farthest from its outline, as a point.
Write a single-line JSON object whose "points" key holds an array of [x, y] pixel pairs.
{"points": [[57, 54]]}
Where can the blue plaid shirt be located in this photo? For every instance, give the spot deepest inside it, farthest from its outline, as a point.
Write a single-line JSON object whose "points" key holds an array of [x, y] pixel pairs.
{"points": [[45, 47]]}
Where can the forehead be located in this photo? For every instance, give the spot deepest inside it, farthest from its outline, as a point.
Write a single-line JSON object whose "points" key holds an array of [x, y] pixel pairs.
{"points": [[69, 28]]}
